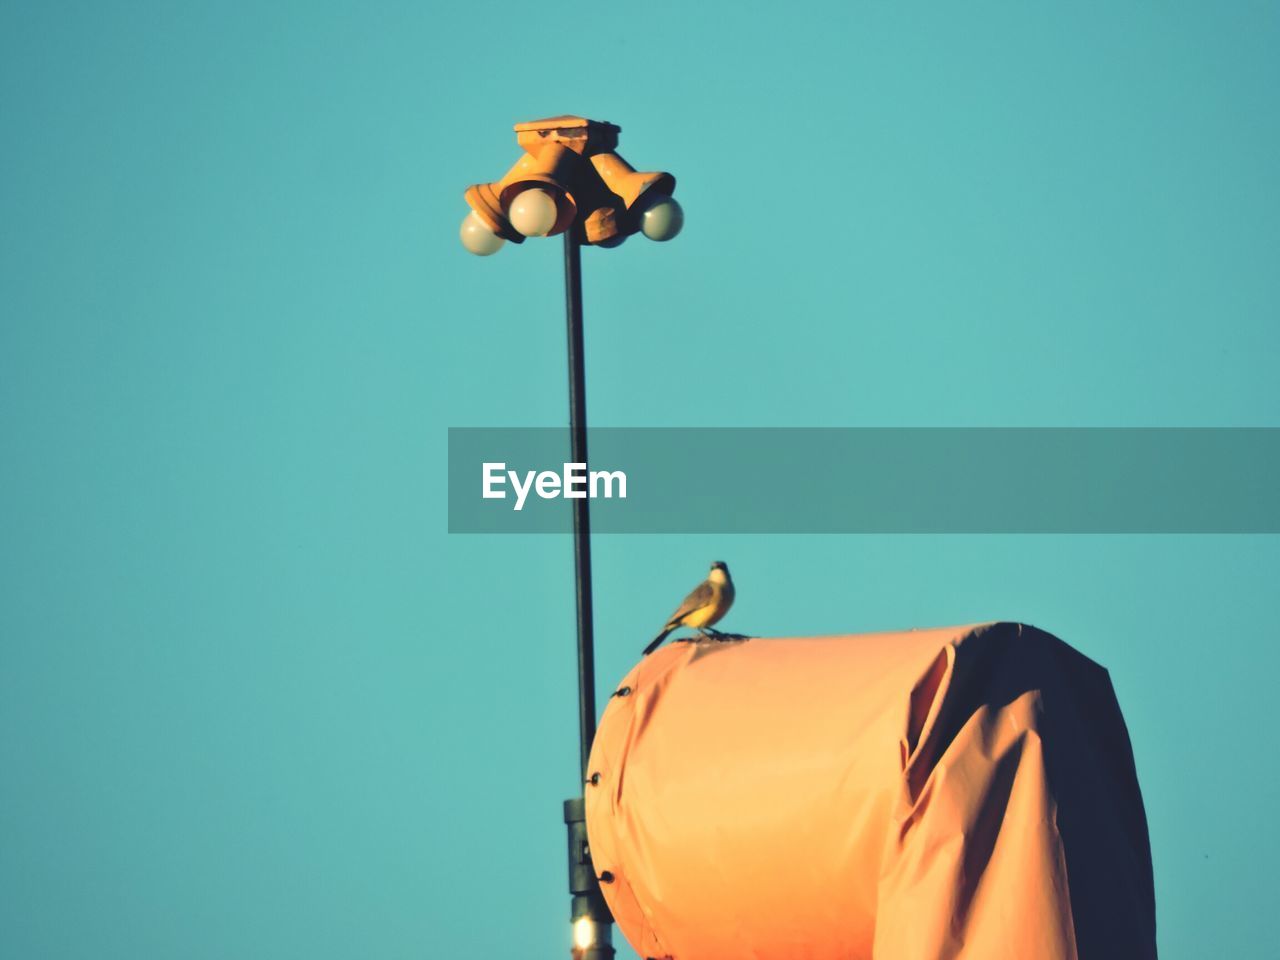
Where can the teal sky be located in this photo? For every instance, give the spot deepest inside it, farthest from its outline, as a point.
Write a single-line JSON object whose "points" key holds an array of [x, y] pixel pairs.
{"points": [[256, 703]]}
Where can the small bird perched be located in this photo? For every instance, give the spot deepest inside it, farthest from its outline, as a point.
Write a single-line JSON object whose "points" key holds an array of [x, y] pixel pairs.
{"points": [[709, 601]]}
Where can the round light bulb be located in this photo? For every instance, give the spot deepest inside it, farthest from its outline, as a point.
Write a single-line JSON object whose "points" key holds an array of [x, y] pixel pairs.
{"points": [[662, 218], [533, 212], [584, 933], [477, 237]]}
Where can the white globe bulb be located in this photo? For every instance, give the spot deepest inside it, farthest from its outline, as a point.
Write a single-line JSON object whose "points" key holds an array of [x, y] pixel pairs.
{"points": [[533, 212], [477, 237], [662, 219]]}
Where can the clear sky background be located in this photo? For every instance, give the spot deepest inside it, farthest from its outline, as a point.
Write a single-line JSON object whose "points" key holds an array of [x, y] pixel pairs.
{"points": [[256, 703]]}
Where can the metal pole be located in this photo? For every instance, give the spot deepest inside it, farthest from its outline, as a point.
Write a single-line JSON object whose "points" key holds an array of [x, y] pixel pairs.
{"points": [[588, 903], [581, 512]]}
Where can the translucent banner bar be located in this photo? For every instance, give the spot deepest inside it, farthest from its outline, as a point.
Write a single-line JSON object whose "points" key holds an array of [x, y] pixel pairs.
{"points": [[866, 480]]}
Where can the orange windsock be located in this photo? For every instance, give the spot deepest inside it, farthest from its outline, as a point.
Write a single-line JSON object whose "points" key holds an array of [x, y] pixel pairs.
{"points": [[965, 793]]}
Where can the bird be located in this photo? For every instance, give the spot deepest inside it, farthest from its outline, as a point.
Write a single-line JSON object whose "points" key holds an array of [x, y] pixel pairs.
{"points": [[709, 601]]}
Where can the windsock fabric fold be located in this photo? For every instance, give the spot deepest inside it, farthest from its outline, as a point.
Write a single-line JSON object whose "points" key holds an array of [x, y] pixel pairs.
{"points": [[965, 793]]}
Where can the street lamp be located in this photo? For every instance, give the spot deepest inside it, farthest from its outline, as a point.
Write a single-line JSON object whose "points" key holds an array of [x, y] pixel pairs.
{"points": [[570, 180]]}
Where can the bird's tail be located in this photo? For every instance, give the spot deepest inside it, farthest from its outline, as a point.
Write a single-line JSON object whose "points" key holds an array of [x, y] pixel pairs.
{"points": [[657, 641]]}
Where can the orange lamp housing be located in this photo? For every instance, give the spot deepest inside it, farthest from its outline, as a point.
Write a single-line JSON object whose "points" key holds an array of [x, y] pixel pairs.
{"points": [[603, 200], [626, 194], [551, 169], [616, 196], [622, 179], [484, 201], [605, 221]]}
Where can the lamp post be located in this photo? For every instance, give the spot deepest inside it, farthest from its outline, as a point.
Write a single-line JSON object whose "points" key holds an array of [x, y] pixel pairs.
{"points": [[570, 180]]}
